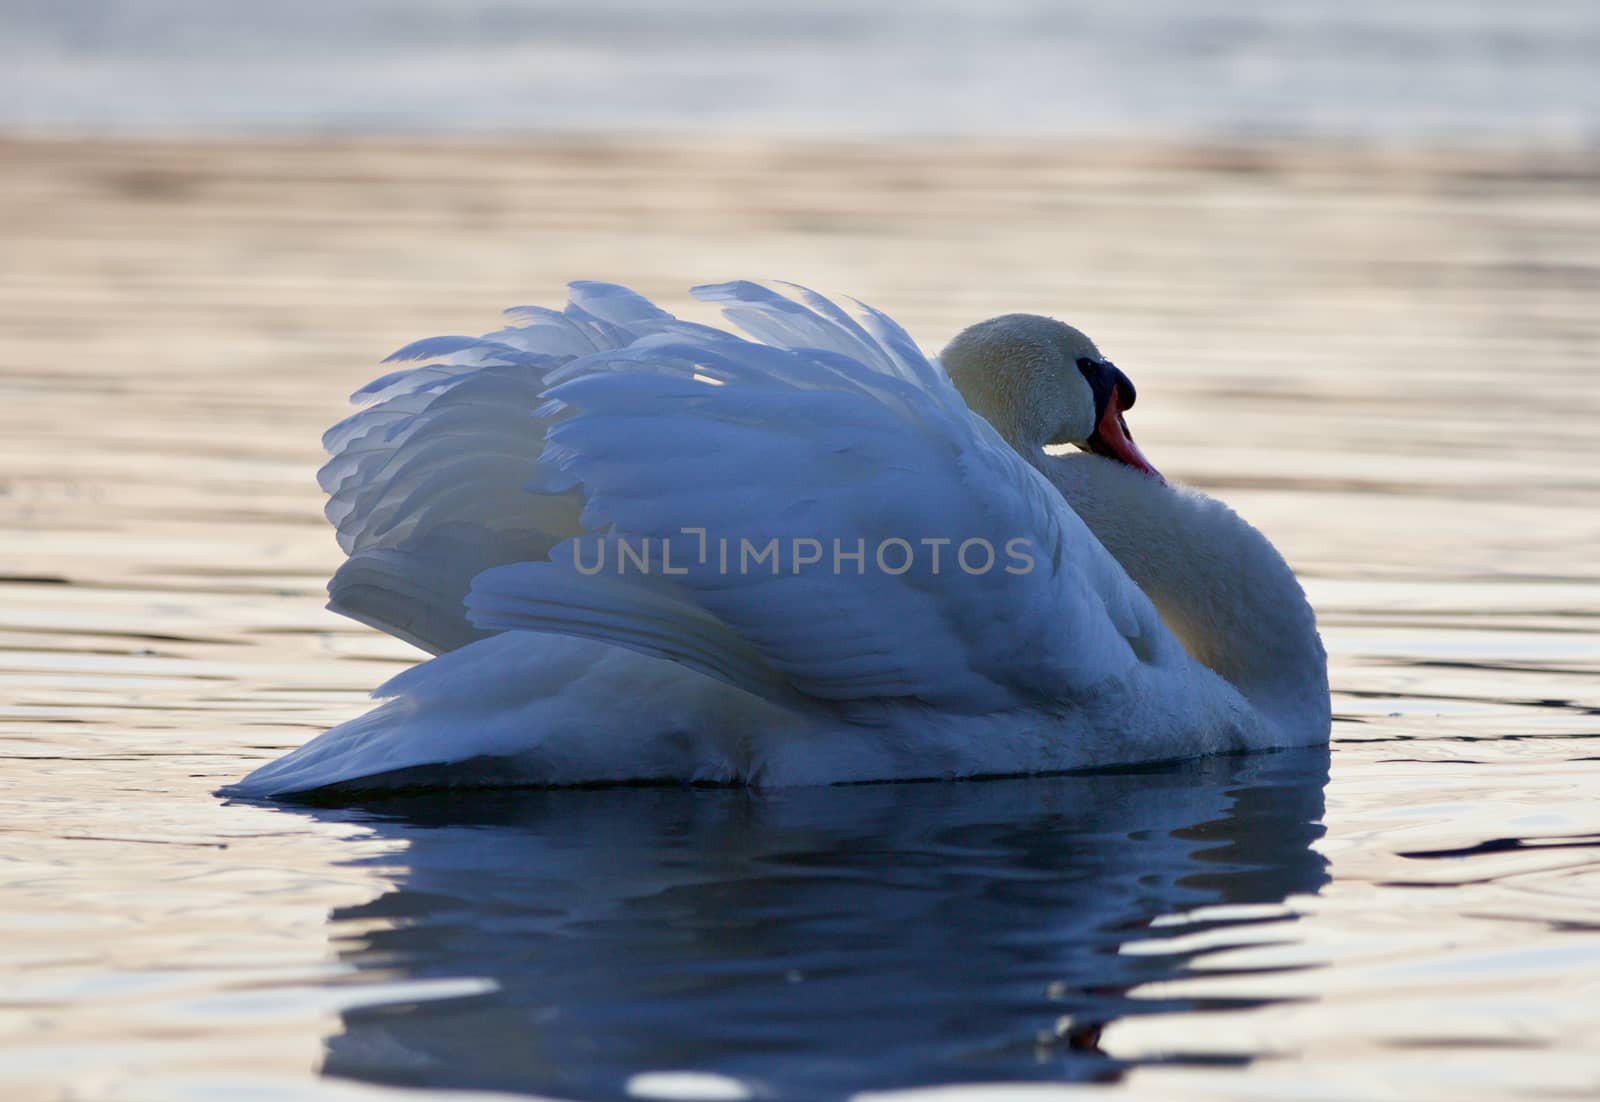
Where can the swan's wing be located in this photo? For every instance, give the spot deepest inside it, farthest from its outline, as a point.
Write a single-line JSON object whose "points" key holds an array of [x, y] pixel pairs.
{"points": [[751, 476], [429, 484]]}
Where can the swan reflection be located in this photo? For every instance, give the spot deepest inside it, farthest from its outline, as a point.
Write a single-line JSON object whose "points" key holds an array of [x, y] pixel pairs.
{"points": [[810, 943]]}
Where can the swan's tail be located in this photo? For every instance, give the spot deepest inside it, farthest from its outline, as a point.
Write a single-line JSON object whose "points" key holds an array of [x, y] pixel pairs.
{"points": [[532, 708]]}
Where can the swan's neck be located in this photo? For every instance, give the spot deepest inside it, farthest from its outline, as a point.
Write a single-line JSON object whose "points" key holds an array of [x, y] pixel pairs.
{"points": [[1220, 587]]}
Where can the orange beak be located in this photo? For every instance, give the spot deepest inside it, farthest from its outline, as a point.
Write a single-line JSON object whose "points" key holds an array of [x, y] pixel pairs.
{"points": [[1113, 440]]}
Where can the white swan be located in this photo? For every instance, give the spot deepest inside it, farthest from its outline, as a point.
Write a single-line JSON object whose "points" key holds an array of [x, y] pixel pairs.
{"points": [[644, 549]]}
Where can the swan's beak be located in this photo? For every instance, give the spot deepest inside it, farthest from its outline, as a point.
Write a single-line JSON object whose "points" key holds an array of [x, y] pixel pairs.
{"points": [[1111, 437]]}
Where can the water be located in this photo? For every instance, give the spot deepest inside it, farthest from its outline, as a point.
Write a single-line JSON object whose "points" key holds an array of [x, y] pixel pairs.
{"points": [[1458, 70], [1016, 921], [1386, 360]]}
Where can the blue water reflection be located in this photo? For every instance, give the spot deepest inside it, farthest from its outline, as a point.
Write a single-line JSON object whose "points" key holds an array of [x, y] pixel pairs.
{"points": [[813, 943]]}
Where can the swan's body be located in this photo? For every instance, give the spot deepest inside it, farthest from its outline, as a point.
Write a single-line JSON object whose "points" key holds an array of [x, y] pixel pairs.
{"points": [[567, 513]]}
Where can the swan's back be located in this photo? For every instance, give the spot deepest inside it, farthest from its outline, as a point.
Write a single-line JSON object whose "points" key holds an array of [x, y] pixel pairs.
{"points": [[613, 418]]}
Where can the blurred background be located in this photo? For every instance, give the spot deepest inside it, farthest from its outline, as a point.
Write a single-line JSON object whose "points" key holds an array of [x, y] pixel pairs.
{"points": [[1469, 70], [1329, 231], [1349, 250]]}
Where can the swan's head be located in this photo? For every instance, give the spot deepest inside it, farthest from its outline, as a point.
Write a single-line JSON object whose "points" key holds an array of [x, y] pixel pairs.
{"points": [[1039, 381]]}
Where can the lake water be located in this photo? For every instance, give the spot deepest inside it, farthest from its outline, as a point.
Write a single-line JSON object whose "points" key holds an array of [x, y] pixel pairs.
{"points": [[1458, 70], [1385, 360]]}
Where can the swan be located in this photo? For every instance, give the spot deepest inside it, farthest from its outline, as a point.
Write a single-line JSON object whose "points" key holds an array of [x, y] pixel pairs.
{"points": [[645, 549]]}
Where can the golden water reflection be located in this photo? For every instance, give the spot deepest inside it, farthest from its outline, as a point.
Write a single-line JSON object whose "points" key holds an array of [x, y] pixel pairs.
{"points": [[1384, 359]]}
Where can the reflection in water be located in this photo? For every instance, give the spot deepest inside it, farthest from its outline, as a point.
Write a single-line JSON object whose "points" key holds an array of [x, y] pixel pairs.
{"points": [[810, 943]]}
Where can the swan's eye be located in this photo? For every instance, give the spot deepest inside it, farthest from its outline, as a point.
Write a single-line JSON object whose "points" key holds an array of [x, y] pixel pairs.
{"points": [[1106, 379], [1125, 385]]}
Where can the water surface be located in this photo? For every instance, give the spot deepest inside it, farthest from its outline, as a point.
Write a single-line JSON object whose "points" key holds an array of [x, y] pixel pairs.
{"points": [[812, 943], [1384, 360]]}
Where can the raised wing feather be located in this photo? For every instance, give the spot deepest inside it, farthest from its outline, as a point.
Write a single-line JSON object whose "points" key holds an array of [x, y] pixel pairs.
{"points": [[833, 436], [429, 484]]}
